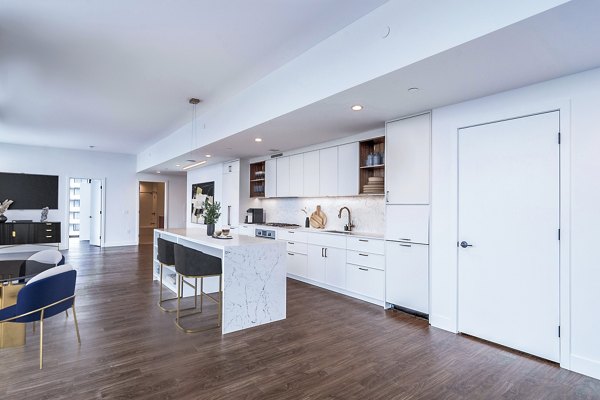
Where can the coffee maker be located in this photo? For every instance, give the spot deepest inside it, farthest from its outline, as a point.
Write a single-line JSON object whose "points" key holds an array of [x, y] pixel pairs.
{"points": [[255, 216]]}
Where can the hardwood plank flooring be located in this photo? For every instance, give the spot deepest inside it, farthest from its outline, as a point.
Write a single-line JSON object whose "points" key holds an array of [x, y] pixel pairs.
{"points": [[329, 347]]}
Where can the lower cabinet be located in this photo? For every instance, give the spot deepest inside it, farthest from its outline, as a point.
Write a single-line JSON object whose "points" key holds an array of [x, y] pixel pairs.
{"points": [[407, 281], [366, 281], [297, 265], [327, 265]]}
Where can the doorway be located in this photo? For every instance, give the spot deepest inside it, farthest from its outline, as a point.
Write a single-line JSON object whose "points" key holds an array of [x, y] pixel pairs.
{"points": [[151, 210], [508, 232], [85, 210]]}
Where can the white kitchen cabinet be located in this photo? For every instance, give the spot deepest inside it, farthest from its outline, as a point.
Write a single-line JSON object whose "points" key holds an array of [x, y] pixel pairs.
{"points": [[316, 263], [348, 170], [311, 168], [365, 281], [328, 171], [271, 178], [296, 264], [376, 261], [365, 245], [407, 160], [283, 177], [407, 276], [407, 223], [297, 175], [230, 200], [327, 265]]}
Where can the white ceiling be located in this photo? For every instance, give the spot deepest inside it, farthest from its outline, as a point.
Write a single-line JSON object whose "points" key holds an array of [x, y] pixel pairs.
{"points": [[559, 42], [117, 74]]}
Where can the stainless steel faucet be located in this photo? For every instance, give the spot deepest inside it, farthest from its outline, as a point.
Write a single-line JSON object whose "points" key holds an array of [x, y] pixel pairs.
{"points": [[348, 227]]}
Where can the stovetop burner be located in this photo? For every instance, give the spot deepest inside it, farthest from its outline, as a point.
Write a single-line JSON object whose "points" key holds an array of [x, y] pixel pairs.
{"points": [[282, 225]]}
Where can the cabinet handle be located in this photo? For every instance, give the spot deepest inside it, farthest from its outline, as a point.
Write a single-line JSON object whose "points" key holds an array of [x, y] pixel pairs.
{"points": [[325, 252], [290, 242], [229, 210], [291, 232], [48, 236], [48, 230], [364, 255], [14, 234], [291, 254], [363, 269], [387, 196], [362, 240], [406, 239], [322, 252], [406, 245]]}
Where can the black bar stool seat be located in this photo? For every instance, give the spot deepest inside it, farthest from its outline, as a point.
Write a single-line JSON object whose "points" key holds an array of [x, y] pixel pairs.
{"points": [[194, 264]]}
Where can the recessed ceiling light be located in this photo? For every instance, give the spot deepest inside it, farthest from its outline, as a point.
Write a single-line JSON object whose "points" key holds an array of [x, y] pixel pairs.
{"points": [[208, 156], [158, 172], [258, 139], [356, 107], [413, 90], [194, 165], [91, 147], [178, 165]]}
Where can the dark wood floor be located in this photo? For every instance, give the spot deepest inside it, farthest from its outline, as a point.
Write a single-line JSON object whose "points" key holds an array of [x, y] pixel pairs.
{"points": [[330, 346]]}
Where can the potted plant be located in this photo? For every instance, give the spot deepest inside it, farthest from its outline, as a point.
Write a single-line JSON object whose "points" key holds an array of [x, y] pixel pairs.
{"points": [[212, 212]]}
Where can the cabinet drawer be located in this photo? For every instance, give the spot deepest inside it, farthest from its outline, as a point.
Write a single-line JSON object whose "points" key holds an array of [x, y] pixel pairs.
{"points": [[291, 235], [366, 281], [326, 240], [295, 247], [373, 246], [376, 261], [296, 264], [407, 223]]}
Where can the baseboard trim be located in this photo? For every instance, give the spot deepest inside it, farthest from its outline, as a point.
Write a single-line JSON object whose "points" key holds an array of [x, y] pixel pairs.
{"points": [[442, 322], [119, 244], [585, 366], [338, 290]]}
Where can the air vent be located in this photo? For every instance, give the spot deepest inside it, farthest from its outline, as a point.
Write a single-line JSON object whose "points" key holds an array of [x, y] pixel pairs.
{"points": [[190, 160], [276, 155]]}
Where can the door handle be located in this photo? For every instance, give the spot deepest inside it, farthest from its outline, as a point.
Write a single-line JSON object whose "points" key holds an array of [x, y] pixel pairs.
{"points": [[464, 244], [229, 213], [387, 196]]}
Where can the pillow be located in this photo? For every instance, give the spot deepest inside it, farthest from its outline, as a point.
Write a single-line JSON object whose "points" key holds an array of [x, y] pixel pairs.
{"points": [[50, 272], [47, 256]]}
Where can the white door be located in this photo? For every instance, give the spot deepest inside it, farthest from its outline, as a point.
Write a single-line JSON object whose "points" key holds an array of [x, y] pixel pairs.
{"points": [[407, 159], [328, 167], [96, 213], [508, 233]]}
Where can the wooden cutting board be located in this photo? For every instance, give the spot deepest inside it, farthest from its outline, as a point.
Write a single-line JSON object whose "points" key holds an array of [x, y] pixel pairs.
{"points": [[318, 219]]}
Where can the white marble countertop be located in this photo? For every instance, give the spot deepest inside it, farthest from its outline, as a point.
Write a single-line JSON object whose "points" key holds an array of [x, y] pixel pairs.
{"points": [[198, 235], [367, 235]]}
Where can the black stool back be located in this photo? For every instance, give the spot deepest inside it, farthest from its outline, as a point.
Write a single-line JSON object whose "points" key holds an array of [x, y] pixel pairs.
{"points": [[190, 262], [166, 253]]}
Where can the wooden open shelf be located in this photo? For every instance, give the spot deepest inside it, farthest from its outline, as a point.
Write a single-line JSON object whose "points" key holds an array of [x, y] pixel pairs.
{"points": [[257, 179], [371, 146]]}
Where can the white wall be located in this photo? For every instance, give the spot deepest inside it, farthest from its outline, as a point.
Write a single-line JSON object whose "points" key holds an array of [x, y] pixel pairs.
{"points": [[577, 96], [209, 173], [345, 60], [117, 169]]}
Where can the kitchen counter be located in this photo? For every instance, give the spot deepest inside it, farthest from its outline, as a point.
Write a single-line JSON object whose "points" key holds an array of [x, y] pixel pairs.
{"points": [[368, 235], [254, 275]]}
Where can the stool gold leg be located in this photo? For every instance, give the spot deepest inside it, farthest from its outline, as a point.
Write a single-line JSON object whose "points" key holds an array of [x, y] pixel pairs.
{"points": [[76, 324], [41, 338], [201, 293], [196, 293], [160, 293]]}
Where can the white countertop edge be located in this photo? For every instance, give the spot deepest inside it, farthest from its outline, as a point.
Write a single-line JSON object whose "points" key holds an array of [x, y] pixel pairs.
{"points": [[358, 234]]}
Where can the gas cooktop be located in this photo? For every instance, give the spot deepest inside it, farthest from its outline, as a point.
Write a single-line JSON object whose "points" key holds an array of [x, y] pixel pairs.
{"points": [[282, 225]]}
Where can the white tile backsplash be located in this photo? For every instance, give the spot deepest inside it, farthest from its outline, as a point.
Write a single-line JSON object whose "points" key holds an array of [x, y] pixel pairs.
{"points": [[367, 211]]}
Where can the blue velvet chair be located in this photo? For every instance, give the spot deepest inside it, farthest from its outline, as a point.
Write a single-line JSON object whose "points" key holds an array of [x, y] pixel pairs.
{"points": [[43, 298]]}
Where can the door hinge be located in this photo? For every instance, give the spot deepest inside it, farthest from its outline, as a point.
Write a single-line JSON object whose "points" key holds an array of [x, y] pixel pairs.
{"points": [[558, 233], [559, 331], [558, 137]]}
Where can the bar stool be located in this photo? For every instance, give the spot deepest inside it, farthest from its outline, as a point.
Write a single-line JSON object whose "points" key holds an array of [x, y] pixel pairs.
{"points": [[194, 264], [166, 256]]}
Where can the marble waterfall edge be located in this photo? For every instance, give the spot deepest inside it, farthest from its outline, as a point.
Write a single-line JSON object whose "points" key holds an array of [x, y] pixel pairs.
{"points": [[255, 278]]}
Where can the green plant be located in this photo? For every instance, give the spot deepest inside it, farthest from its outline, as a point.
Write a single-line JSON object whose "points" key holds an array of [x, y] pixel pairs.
{"points": [[212, 211]]}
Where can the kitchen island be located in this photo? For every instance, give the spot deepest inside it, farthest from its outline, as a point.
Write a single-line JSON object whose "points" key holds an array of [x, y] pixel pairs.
{"points": [[254, 275]]}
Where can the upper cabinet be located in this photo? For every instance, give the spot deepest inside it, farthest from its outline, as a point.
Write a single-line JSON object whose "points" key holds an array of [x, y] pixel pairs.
{"points": [[271, 178], [296, 175], [311, 173], [407, 159], [347, 169], [257, 179], [283, 177], [328, 171]]}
